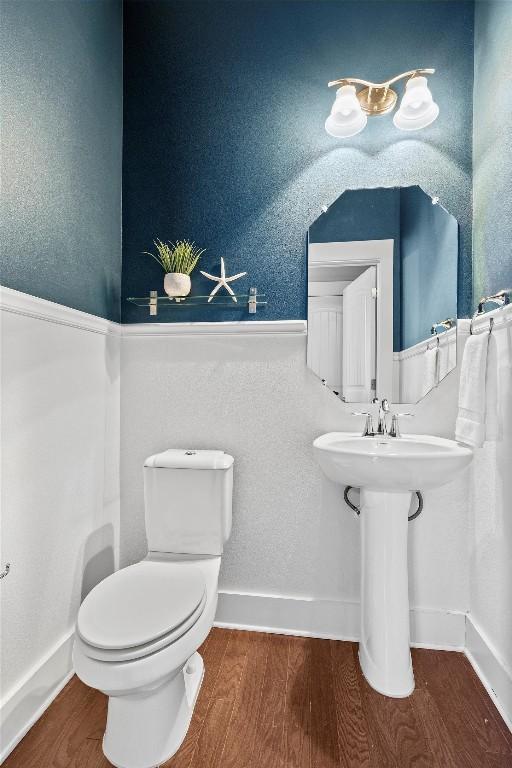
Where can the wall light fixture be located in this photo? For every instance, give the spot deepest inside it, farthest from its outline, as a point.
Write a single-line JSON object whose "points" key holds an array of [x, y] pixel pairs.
{"points": [[351, 108]]}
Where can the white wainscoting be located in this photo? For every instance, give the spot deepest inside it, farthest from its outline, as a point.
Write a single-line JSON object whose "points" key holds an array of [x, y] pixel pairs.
{"points": [[409, 381], [60, 491], [332, 619]]}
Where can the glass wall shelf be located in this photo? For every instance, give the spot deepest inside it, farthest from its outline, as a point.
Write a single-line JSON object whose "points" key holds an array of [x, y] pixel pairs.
{"points": [[249, 301]]}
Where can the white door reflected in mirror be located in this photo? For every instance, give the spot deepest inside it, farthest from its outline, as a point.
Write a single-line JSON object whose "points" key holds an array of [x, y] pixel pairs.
{"points": [[360, 337]]}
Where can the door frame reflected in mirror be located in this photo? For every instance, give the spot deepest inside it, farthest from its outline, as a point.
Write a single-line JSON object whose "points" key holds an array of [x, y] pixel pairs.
{"points": [[378, 253]]}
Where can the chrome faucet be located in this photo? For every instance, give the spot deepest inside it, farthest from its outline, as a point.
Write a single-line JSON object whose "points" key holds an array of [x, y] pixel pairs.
{"points": [[382, 427]]}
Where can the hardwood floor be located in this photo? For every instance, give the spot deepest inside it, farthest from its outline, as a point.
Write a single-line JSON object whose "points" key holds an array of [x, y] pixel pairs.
{"points": [[270, 701]]}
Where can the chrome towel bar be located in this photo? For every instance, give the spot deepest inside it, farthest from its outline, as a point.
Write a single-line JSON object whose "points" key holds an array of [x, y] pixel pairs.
{"points": [[450, 322], [501, 299]]}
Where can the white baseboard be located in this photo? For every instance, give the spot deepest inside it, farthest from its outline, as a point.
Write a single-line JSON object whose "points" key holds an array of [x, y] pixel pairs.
{"points": [[490, 668], [288, 615], [24, 705], [331, 619], [438, 629]]}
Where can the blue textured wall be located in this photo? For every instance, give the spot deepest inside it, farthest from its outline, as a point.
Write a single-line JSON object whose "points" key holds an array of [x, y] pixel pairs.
{"points": [[360, 214], [224, 140], [428, 255], [492, 148], [61, 82]]}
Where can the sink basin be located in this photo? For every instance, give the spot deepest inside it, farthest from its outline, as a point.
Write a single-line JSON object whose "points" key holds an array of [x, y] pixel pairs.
{"points": [[387, 470], [409, 463]]}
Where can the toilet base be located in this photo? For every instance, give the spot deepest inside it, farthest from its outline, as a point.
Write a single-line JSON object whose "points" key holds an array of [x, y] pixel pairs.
{"points": [[147, 728]]}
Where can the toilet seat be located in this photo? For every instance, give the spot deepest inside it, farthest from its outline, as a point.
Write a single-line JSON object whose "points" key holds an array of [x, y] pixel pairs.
{"points": [[140, 609], [138, 652]]}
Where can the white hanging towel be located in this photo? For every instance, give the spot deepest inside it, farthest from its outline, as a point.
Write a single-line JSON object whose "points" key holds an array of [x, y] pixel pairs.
{"points": [[491, 391], [430, 369], [477, 417]]}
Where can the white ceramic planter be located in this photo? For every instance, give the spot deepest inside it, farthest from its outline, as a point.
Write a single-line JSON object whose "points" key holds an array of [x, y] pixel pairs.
{"points": [[177, 284]]}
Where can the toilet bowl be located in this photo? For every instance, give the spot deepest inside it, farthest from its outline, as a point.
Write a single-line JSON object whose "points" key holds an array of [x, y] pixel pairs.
{"points": [[139, 629], [151, 693]]}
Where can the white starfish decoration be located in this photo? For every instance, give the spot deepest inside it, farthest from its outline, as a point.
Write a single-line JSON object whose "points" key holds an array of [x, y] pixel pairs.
{"points": [[222, 281]]}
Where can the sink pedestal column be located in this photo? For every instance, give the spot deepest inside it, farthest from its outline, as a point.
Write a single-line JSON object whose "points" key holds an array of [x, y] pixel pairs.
{"points": [[384, 651]]}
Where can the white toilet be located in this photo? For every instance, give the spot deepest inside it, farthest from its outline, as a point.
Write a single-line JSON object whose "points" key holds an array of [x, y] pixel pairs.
{"points": [[138, 631]]}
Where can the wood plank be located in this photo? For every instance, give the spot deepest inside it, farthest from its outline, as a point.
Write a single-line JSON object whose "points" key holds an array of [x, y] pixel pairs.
{"points": [[461, 698], [243, 736], [86, 726], [52, 732], [213, 651], [396, 736], [351, 720], [500, 735], [450, 747], [95, 716], [269, 751], [496, 761], [442, 747], [89, 755], [277, 661], [212, 734], [298, 705], [325, 751]]}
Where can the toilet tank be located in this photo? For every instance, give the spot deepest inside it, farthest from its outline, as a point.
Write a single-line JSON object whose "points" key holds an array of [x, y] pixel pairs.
{"points": [[188, 501]]}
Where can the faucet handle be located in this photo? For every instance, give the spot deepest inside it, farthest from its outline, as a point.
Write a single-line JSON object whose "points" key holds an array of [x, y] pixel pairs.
{"points": [[395, 427], [368, 427]]}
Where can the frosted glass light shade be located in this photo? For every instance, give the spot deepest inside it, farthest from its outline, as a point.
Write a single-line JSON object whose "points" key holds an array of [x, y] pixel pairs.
{"points": [[346, 118], [417, 108]]}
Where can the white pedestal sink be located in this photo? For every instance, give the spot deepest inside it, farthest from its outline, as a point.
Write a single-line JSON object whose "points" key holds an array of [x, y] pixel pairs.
{"points": [[387, 470]]}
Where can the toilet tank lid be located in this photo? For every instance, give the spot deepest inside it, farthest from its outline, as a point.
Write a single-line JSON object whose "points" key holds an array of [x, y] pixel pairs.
{"points": [[189, 458]]}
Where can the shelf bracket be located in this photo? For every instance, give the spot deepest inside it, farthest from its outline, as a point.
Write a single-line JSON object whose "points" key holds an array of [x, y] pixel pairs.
{"points": [[253, 301], [153, 303]]}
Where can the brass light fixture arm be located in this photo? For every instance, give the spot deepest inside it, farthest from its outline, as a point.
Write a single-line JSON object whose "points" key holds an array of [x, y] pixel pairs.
{"points": [[357, 81]]}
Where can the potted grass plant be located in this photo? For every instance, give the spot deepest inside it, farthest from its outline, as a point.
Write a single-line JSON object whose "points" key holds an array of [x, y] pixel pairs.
{"points": [[177, 260]]}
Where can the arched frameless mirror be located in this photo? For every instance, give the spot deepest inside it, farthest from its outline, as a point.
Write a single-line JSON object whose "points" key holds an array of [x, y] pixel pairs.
{"points": [[382, 294]]}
